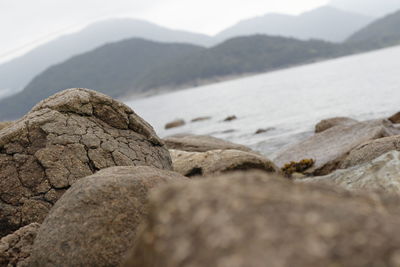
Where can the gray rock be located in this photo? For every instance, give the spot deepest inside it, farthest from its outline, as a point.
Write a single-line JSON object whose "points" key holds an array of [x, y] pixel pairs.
{"points": [[329, 147], [370, 150], [174, 124], [95, 221], [218, 161], [381, 174], [251, 219], [200, 143], [15, 248], [68, 136], [329, 123]]}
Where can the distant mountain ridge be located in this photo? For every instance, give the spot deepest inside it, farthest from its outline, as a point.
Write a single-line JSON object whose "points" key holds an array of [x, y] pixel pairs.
{"points": [[375, 8], [324, 23]]}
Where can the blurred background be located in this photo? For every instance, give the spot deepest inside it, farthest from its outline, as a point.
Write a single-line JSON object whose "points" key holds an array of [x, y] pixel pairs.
{"points": [[278, 66]]}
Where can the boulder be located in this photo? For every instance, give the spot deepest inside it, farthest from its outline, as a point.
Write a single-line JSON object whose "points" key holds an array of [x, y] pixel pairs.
{"points": [[230, 118], [174, 124], [95, 221], [380, 175], [329, 147], [395, 118], [218, 161], [261, 131], [15, 248], [329, 123], [5, 124], [200, 119], [68, 136], [200, 143], [251, 219], [370, 150]]}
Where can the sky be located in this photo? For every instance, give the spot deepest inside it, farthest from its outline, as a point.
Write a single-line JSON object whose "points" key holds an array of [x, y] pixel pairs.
{"points": [[25, 24]]}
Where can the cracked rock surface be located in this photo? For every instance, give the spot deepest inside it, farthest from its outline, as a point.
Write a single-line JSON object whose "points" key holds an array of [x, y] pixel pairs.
{"points": [[95, 221], [65, 137], [15, 248]]}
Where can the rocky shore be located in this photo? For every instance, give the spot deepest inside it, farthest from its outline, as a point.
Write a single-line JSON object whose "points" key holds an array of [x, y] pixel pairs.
{"points": [[84, 181]]}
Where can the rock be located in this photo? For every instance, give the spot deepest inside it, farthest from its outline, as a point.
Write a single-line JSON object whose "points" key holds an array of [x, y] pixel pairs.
{"points": [[395, 118], [370, 150], [329, 123], [218, 161], [174, 124], [251, 219], [5, 124], [95, 221], [15, 248], [200, 143], [381, 174], [201, 119], [230, 118], [331, 146], [260, 131], [66, 137]]}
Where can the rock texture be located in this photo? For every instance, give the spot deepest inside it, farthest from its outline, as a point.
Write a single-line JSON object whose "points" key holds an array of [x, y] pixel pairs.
{"points": [[370, 150], [5, 124], [95, 221], [174, 124], [395, 118], [329, 123], [381, 175], [252, 220], [200, 143], [66, 137], [328, 148], [15, 248], [218, 161]]}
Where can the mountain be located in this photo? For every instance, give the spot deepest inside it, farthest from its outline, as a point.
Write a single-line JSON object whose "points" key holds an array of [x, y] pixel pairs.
{"points": [[17, 73], [137, 66], [382, 33], [325, 23], [375, 8]]}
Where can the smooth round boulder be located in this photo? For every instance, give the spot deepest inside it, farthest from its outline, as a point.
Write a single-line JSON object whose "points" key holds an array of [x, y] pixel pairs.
{"points": [[252, 219], [218, 161], [329, 123], [95, 221], [68, 136]]}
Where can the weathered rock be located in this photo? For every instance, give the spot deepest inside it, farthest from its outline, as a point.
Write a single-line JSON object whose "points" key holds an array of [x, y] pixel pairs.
{"points": [[95, 221], [200, 143], [218, 161], [381, 175], [15, 248], [329, 123], [252, 220], [395, 118], [230, 118], [260, 131], [201, 119], [331, 146], [174, 124], [5, 124], [66, 137], [370, 150]]}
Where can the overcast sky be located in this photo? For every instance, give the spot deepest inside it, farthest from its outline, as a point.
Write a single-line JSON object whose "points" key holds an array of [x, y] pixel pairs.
{"points": [[27, 23]]}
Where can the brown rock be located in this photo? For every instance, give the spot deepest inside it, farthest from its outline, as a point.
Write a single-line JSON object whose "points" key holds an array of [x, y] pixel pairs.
{"points": [[230, 118], [218, 161], [5, 124], [329, 123], [395, 118], [253, 220], [174, 124], [95, 221], [260, 131], [201, 119], [328, 148], [370, 150], [66, 137], [15, 248], [200, 143]]}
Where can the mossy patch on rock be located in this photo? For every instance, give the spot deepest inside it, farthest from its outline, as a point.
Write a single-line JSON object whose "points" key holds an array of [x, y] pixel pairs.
{"points": [[297, 167]]}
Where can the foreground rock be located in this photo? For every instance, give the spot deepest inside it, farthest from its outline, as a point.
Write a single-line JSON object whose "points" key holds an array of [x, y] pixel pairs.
{"points": [[174, 124], [252, 220], [95, 221], [370, 150], [200, 143], [5, 124], [15, 248], [328, 148], [218, 161], [379, 175], [329, 123], [66, 137]]}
